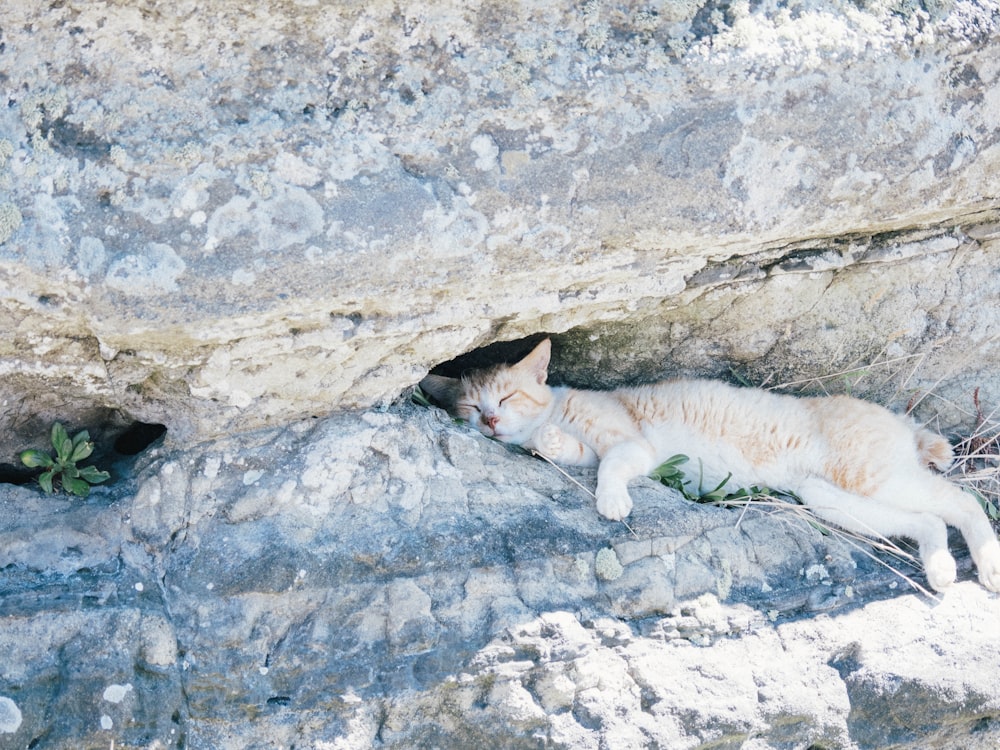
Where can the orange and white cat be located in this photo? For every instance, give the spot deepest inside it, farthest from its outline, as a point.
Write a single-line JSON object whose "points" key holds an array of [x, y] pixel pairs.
{"points": [[853, 463]]}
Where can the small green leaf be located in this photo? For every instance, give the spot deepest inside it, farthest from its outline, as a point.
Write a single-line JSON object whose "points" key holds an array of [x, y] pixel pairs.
{"points": [[58, 435], [78, 487], [717, 492], [669, 468], [419, 397], [740, 378], [45, 481], [64, 451], [81, 449], [94, 475], [70, 471], [824, 530], [34, 458]]}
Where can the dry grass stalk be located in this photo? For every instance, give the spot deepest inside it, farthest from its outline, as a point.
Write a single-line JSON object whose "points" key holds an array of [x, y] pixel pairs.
{"points": [[977, 461], [566, 474], [789, 510]]}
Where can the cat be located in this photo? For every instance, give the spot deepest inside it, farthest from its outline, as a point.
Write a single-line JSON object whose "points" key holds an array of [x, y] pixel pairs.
{"points": [[856, 465]]}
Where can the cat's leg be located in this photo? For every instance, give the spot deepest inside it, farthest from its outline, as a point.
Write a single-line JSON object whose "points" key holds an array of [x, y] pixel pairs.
{"points": [[557, 446], [875, 518], [622, 463], [934, 494]]}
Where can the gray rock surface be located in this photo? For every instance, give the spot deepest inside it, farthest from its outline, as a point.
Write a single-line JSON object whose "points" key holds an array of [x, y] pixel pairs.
{"points": [[219, 220], [392, 579], [260, 227]]}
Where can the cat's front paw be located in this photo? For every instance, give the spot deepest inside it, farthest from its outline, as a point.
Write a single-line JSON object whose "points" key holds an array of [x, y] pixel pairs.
{"points": [[940, 570], [548, 440], [614, 503]]}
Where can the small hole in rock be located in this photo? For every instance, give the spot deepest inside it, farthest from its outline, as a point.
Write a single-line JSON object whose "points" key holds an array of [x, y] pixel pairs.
{"points": [[137, 437], [11, 474], [492, 354], [116, 444]]}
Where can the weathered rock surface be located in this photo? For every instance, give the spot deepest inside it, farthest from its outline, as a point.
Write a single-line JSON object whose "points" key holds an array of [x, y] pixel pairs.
{"points": [[238, 222], [218, 220], [391, 579]]}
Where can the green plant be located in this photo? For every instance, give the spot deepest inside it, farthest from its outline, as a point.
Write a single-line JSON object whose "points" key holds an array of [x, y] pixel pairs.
{"points": [[419, 397], [63, 468], [669, 473]]}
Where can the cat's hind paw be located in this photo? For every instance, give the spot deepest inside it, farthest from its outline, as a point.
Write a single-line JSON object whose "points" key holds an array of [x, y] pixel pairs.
{"points": [[988, 567], [940, 569], [614, 504], [990, 579]]}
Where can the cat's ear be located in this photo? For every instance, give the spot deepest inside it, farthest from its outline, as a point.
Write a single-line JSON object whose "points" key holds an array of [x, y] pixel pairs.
{"points": [[537, 362], [441, 389]]}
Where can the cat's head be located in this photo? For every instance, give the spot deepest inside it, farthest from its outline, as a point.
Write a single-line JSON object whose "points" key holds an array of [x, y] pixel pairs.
{"points": [[507, 402]]}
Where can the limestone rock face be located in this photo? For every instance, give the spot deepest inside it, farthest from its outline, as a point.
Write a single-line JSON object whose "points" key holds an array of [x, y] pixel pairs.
{"points": [[219, 220], [258, 226], [391, 579]]}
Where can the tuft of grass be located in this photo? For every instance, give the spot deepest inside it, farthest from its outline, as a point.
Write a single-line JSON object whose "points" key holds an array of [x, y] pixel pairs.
{"points": [[977, 461], [62, 471], [789, 509]]}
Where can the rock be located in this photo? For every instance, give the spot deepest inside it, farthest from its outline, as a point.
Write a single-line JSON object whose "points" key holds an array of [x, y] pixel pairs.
{"points": [[258, 231], [219, 221], [393, 579]]}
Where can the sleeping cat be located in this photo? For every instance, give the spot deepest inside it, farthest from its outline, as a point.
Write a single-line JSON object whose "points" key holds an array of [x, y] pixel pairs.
{"points": [[854, 464]]}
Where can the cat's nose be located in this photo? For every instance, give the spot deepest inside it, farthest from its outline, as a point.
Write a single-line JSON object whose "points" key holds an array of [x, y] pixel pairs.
{"points": [[490, 420]]}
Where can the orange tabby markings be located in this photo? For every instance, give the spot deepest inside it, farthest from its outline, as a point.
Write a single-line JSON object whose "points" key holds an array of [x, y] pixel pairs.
{"points": [[934, 450], [527, 396], [854, 464]]}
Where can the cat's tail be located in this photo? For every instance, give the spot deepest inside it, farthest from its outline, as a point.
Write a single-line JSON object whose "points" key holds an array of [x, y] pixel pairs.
{"points": [[933, 449]]}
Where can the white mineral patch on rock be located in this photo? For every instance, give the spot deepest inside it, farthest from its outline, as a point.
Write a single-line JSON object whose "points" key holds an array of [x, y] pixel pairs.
{"points": [[250, 477], [91, 256], [486, 151], [10, 715], [294, 169], [606, 565], [116, 693], [153, 272], [291, 217]]}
